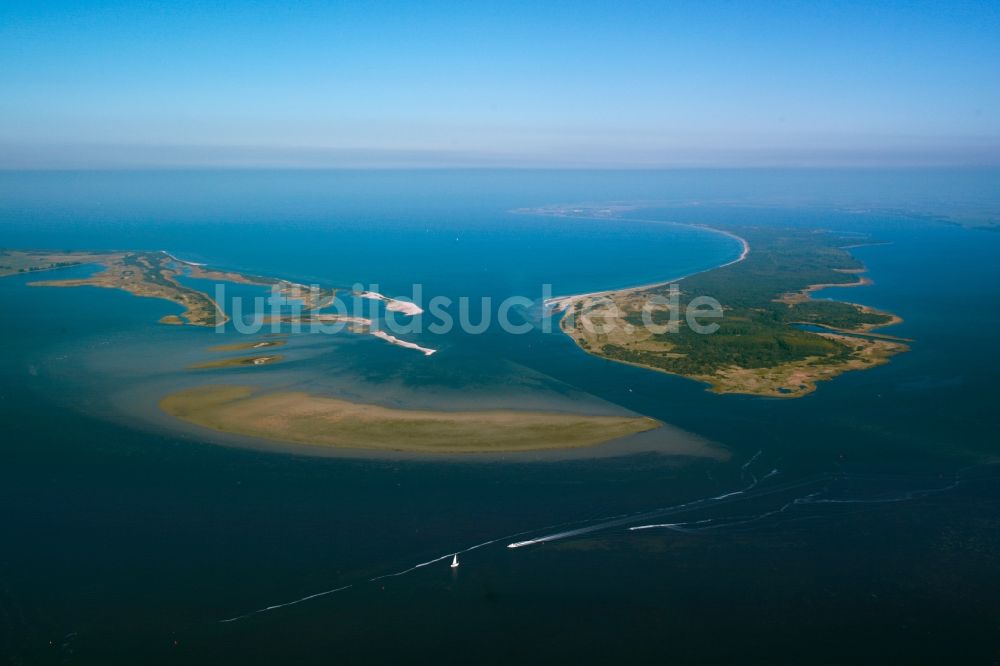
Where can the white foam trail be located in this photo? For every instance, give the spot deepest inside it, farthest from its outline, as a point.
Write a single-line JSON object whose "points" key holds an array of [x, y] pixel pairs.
{"points": [[286, 605], [734, 493], [622, 520], [625, 519], [812, 498], [746, 468], [710, 523], [440, 559], [905, 497], [569, 533], [389, 575], [679, 527], [749, 462], [413, 568]]}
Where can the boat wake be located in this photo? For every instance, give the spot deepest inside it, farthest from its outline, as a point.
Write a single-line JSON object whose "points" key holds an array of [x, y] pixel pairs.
{"points": [[287, 604], [450, 555], [818, 497], [814, 491]]}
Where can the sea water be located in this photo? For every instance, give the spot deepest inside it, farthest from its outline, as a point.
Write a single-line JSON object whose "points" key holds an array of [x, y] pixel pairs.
{"points": [[870, 503]]}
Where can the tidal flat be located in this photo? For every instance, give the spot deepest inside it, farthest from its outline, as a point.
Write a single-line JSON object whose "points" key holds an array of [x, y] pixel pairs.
{"points": [[294, 416]]}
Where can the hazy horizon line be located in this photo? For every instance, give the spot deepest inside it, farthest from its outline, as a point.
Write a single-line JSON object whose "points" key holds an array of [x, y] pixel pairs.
{"points": [[66, 156]]}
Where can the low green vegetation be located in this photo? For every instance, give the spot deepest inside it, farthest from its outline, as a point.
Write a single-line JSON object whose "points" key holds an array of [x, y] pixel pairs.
{"points": [[151, 275], [765, 299], [13, 262]]}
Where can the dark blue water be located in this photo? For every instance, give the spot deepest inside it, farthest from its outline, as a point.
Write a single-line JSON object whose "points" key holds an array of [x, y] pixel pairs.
{"points": [[868, 529]]}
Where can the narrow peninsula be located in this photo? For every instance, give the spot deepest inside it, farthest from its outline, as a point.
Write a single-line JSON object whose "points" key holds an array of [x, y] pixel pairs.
{"points": [[154, 275]]}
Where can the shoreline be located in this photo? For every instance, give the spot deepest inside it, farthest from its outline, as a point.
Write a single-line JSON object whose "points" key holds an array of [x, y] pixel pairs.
{"points": [[182, 261], [785, 378], [807, 294], [561, 303], [393, 304], [558, 304], [393, 340]]}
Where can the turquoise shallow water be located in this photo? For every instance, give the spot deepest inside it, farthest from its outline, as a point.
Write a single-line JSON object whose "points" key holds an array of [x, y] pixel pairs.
{"points": [[873, 533]]}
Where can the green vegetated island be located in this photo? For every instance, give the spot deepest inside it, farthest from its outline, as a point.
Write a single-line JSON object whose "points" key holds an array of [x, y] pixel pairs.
{"points": [[301, 418], [761, 346], [153, 275]]}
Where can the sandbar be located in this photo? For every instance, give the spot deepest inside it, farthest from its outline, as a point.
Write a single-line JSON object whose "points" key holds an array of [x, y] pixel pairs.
{"points": [[297, 417]]}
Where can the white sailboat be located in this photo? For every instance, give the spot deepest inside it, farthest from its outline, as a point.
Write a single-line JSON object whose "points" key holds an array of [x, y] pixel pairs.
{"points": [[454, 561]]}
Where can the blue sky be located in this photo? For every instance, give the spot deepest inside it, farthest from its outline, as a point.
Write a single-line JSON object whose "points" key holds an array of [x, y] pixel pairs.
{"points": [[110, 84]]}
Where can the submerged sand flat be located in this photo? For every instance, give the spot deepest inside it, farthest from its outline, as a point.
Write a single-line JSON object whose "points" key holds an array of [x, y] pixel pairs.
{"points": [[239, 362], [324, 421]]}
